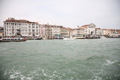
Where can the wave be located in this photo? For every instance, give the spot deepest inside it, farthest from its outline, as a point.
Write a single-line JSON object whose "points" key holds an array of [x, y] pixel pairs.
{"points": [[110, 62]]}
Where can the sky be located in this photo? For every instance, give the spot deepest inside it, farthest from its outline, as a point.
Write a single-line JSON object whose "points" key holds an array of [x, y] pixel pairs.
{"points": [[67, 13]]}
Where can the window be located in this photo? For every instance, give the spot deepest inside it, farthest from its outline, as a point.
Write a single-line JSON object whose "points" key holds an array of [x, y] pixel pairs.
{"points": [[33, 30], [12, 23], [36, 26]]}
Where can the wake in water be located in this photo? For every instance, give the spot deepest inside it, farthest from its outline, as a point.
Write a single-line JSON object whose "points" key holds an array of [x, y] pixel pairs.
{"points": [[109, 62]]}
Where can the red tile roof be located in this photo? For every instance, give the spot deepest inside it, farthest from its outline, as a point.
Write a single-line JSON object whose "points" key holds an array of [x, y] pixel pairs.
{"points": [[97, 28], [85, 26], [20, 21]]}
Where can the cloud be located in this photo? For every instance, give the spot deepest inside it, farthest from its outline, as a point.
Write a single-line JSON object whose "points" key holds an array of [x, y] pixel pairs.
{"points": [[68, 13]]}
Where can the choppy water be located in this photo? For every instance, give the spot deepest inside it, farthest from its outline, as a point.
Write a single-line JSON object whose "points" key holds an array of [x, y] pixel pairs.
{"points": [[89, 59]]}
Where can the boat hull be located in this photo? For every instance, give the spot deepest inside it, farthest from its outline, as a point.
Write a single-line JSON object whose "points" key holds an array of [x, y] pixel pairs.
{"points": [[12, 40]]}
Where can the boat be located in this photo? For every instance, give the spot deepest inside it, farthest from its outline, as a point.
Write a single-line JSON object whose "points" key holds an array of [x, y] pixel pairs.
{"points": [[12, 39], [69, 38], [18, 38], [38, 39], [79, 37], [102, 37], [92, 38]]}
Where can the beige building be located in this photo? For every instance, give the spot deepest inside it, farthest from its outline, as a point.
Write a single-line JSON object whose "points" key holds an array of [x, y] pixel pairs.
{"points": [[1, 32], [78, 32], [64, 32], [52, 31], [99, 32], [55, 32], [108, 31]]}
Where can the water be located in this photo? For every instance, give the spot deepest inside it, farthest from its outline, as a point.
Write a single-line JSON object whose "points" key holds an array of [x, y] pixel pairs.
{"points": [[87, 59]]}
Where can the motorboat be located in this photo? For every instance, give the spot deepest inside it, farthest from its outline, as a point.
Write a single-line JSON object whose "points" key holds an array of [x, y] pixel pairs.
{"points": [[38, 39], [12, 39], [79, 37], [102, 37], [69, 38]]}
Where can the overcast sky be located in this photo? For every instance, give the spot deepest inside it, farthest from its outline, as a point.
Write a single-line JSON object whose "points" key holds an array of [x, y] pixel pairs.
{"points": [[68, 13]]}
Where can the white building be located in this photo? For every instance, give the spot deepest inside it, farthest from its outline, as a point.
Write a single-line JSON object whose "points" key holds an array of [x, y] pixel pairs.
{"points": [[89, 29], [27, 28], [85, 30]]}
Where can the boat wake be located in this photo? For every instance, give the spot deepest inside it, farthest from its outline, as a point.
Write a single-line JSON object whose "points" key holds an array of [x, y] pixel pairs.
{"points": [[109, 62]]}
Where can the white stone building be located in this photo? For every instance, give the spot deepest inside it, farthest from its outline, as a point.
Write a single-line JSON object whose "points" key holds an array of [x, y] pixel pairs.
{"points": [[89, 29], [27, 28], [85, 30]]}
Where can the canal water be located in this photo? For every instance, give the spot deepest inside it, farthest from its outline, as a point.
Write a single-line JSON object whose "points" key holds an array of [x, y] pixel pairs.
{"points": [[83, 59]]}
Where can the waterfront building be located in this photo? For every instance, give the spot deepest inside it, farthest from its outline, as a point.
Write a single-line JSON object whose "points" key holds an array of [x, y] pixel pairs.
{"points": [[79, 32], [118, 31], [85, 31], [109, 31], [48, 31], [89, 30], [106, 32], [1, 32], [70, 32], [99, 32], [52, 31], [32, 30], [64, 32], [56, 31], [27, 28], [42, 31]]}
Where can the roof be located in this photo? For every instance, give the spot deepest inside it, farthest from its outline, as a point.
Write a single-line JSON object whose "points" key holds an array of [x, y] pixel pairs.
{"points": [[97, 28], [47, 25], [85, 26], [81, 27], [118, 31], [20, 21]]}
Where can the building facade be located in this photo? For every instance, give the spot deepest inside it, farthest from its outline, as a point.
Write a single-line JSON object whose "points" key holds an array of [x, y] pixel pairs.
{"points": [[33, 30], [1, 32], [64, 32], [27, 28], [99, 32], [42, 31], [85, 31]]}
